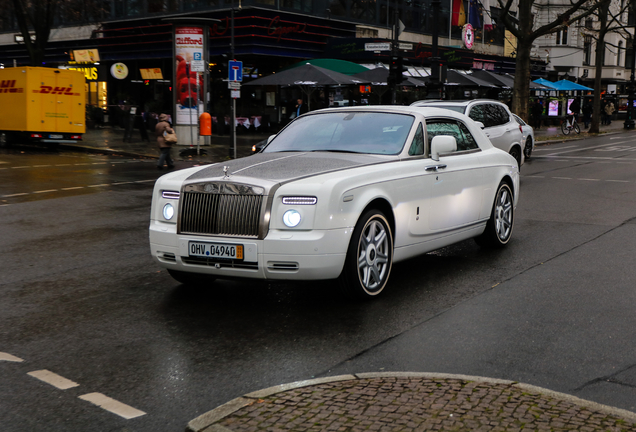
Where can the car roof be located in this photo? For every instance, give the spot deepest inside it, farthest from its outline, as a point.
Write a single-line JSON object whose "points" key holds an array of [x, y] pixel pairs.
{"points": [[458, 102], [398, 109]]}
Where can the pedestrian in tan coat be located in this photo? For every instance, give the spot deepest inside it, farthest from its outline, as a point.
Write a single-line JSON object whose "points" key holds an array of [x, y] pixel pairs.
{"points": [[164, 126]]}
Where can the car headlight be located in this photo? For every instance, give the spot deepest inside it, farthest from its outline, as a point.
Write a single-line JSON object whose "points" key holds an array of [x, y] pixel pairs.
{"points": [[291, 218], [168, 211], [300, 200]]}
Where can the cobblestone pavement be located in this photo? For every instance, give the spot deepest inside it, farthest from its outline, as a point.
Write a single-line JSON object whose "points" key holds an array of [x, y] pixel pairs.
{"points": [[420, 402]]}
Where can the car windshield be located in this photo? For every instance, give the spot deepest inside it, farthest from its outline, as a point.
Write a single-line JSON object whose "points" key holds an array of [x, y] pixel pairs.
{"points": [[345, 131]]}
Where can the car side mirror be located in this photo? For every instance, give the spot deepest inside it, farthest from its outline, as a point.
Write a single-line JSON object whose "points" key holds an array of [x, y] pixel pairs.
{"points": [[442, 144], [271, 137], [480, 124]]}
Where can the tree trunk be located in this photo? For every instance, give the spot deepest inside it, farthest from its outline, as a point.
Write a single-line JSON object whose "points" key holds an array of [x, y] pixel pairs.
{"points": [[521, 91], [598, 66]]}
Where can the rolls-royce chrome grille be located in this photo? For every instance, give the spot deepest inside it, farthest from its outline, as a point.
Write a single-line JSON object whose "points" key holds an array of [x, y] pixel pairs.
{"points": [[221, 209]]}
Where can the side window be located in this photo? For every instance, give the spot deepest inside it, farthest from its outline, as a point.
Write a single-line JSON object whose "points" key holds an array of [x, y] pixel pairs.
{"points": [[493, 115], [417, 146], [443, 127], [477, 113], [504, 117], [468, 141]]}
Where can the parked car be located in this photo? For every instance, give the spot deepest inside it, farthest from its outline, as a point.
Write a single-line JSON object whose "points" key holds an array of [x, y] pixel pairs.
{"points": [[499, 125], [339, 193], [527, 133]]}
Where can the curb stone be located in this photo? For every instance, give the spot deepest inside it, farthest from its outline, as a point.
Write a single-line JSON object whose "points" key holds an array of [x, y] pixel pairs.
{"points": [[208, 422]]}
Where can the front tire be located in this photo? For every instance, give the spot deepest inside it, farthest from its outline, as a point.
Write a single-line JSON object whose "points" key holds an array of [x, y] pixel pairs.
{"points": [[192, 279], [499, 227], [369, 257]]}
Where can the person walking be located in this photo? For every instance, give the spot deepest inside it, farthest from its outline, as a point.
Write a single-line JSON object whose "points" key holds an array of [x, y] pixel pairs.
{"points": [[609, 110], [162, 127], [588, 108]]}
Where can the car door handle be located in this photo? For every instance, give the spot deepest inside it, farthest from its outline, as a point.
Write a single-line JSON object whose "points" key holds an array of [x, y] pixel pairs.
{"points": [[435, 167]]}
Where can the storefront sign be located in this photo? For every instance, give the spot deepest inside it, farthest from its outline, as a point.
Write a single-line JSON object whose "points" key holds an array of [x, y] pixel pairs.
{"points": [[90, 73], [119, 71], [188, 48], [151, 73], [87, 55], [275, 29], [468, 36]]}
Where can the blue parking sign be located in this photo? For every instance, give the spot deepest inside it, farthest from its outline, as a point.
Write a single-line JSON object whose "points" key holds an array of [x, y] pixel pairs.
{"points": [[235, 70], [197, 56]]}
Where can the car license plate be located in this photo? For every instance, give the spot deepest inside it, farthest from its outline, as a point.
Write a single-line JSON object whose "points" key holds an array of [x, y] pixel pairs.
{"points": [[56, 136], [216, 250]]}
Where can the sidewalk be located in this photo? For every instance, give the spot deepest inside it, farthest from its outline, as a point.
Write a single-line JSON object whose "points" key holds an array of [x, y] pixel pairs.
{"points": [[110, 140], [410, 402]]}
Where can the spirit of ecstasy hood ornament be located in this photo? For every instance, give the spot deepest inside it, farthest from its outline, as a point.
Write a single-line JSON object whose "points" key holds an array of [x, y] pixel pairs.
{"points": [[225, 168]]}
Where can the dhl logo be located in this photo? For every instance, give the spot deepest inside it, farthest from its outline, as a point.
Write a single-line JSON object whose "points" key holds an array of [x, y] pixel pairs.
{"points": [[68, 91], [8, 86]]}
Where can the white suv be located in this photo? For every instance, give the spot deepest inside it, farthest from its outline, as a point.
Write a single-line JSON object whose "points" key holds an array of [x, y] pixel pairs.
{"points": [[499, 124]]}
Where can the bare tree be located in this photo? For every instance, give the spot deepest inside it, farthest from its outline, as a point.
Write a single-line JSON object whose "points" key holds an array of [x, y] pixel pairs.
{"points": [[37, 18], [608, 22], [37, 15], [523, 28]]}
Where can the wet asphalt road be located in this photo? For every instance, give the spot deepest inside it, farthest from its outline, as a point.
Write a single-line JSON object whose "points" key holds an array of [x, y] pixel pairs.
{"points": [[82, 298]]}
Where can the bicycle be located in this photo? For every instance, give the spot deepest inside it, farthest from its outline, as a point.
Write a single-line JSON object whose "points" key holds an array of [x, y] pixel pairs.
{"points": [[567, 127]]}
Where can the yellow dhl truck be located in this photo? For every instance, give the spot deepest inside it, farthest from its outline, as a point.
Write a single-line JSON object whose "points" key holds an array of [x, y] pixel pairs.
{"points": [[42, 105]]}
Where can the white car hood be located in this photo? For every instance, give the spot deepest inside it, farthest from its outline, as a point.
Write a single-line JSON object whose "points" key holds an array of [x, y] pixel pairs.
{"points": [[285, 166]]}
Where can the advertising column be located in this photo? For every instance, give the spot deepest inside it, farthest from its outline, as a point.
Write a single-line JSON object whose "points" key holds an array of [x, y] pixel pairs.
{"points": [[188, 82]]}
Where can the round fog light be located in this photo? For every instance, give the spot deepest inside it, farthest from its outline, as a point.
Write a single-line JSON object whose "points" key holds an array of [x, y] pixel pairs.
{"points": [[291, 218], [168, 211]]}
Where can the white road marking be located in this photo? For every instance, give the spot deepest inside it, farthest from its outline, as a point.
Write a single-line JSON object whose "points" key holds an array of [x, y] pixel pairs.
{"points": [[15, 195], [116, 407], [63, 165], [100, 163], [145, 181], [618, 181], [551, 149], [20, 167], [558, 153], [535, 176], [72, 188], [81, 164], [54, 379], [9, 357], [99, 185], [563, 178], [45, 191], [608, 158], [40, 166], [586, 179], [120, 183]]}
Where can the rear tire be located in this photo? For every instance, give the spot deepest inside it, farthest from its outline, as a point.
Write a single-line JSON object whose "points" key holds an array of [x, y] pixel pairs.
{"points": [[499, 227], [515, 152], [527, 151], [369, 257], [192, 279]]}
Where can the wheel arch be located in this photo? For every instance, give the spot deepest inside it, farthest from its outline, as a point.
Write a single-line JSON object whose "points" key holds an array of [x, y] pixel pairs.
{"points": [[385, 207]]}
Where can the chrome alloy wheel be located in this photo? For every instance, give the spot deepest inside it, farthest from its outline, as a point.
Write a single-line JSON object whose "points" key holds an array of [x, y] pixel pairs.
{"points": [[373, 255], [503, 214]]}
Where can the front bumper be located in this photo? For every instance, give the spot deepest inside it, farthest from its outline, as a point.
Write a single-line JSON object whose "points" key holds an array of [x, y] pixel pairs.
{"points": [[282, 255]]}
